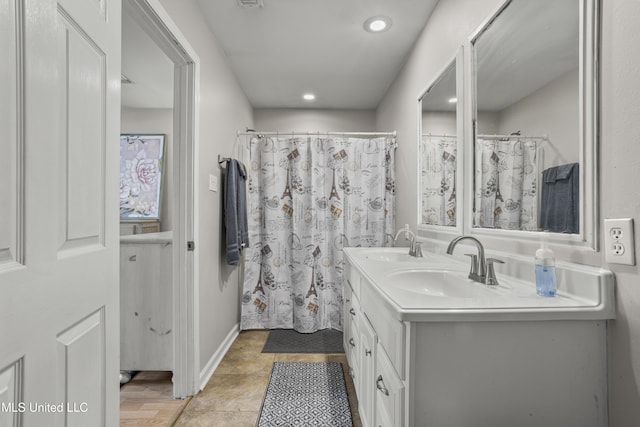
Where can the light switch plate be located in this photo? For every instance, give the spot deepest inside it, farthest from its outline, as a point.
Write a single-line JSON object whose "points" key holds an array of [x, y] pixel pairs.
{"points": [[213, 183], [619, 241]]}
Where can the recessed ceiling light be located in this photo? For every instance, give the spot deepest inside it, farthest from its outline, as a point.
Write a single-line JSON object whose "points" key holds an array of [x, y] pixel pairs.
{"points": [[453, 100], [308, 97], [377, 24]]}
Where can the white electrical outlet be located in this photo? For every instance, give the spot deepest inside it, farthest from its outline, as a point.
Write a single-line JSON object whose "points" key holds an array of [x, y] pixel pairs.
{"points": [[619, 241]]}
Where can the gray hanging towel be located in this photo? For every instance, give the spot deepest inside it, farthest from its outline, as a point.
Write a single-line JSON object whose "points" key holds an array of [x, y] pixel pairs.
{"points": [[235, 211], [559, 207]]}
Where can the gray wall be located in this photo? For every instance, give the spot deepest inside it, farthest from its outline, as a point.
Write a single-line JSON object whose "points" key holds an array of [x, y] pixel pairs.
{"points": [[551, 110], [451, 24], [224, 109], [310, 120], [619, 197]]}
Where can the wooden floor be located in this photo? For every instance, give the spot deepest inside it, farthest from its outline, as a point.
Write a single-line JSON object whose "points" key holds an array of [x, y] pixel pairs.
{"points": [[232, 398], [147, 400]]}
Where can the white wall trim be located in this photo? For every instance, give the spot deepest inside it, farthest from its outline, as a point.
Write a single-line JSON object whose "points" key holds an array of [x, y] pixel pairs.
{"points": [[218, 355]]}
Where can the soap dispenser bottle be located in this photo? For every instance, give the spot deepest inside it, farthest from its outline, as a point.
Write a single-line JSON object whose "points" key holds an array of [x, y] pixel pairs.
{"points": [[545, 270]]}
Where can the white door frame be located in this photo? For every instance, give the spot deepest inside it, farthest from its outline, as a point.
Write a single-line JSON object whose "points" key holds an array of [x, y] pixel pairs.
{"points": [[153, 18]]}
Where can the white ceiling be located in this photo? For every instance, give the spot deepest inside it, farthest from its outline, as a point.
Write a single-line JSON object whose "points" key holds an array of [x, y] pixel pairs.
{"points": [[286, 48], [289, 47]]}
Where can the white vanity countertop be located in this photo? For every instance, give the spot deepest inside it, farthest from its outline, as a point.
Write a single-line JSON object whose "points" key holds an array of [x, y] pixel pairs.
{"points": [[161, 237], [436, 288]]}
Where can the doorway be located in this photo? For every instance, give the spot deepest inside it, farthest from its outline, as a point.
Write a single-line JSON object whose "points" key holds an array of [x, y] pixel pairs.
{"points": [[154, 21]]}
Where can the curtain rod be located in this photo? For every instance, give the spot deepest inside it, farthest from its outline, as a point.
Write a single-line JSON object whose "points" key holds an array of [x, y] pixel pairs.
{"points": [[543, 137], [257, 133], [435, 135]]}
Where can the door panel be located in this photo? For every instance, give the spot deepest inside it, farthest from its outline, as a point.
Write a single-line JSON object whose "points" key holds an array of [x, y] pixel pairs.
{"points": [[10, 144], [81, 371], [10, 394], [83, 91], [59, 281]]}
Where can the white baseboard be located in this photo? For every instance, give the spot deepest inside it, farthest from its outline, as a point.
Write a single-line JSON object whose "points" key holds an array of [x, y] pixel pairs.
{"points": [[216, 358]]}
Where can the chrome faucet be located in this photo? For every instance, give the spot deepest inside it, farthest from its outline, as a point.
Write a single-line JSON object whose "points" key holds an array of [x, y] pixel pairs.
{"points": [[415, 248], [481, 270], [478, 270]]}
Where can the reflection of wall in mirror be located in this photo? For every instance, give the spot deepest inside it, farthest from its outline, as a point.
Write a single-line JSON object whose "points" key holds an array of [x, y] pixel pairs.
{"points": [[439, 122], [552, 110]]}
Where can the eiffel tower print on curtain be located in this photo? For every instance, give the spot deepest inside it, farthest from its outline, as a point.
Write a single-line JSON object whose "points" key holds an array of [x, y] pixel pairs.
{"points": [[334, 190], [287, 188], [259, 287], [312, 288]]}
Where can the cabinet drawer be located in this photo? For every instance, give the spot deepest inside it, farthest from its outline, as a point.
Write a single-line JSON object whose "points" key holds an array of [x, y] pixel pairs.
{"points": [[389, 393]]}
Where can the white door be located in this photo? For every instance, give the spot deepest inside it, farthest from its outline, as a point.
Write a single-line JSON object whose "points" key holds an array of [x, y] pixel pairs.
{"points": [[59, 126]]}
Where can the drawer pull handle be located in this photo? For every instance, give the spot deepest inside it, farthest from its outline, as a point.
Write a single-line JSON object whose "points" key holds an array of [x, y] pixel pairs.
{"points": [[367, 352], [352, 311], [353, 344], [382, 388], [132, 258]]}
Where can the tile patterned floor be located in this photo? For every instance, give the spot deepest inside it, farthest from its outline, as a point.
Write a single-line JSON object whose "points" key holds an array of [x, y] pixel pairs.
{"points": [[234, 394]]}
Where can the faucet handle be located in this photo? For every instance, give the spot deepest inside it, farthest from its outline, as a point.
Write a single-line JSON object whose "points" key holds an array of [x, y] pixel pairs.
{"points": [[417, 250], [491, 273], [473, 272]]}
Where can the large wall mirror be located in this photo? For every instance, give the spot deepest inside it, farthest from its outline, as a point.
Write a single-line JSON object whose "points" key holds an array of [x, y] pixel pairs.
{"points": [[439, 160], [534, 120]]}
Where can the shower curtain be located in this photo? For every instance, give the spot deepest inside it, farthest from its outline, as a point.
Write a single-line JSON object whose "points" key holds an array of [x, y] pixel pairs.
{"points": [[506, 177], [438, 180], [309, 197]]}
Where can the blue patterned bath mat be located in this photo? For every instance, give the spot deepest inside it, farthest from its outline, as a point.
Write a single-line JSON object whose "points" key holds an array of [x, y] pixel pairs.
{"points": [[306, 394]]}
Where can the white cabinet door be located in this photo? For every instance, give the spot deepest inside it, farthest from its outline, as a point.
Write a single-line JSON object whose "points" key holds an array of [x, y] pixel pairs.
{"points": [[366, 399], [389, 392], [59, 131]]}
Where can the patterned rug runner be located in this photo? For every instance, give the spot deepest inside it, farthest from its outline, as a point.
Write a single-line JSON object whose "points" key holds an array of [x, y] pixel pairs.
{"points": [[306, 394], [290, 341]]}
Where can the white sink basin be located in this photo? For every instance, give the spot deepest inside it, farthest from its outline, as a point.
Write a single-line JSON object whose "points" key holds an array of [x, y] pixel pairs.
{"points": [[436, 288], [437, 283], [389, 256]]}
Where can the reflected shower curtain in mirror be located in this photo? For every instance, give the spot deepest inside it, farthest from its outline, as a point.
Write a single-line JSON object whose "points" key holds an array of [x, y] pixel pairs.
{"points": [[309, 197], [438, 180], [507, 184]]}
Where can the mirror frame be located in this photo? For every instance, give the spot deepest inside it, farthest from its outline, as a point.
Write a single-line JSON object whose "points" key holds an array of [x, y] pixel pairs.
{"points": [[589, 61], [458, 60]]}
